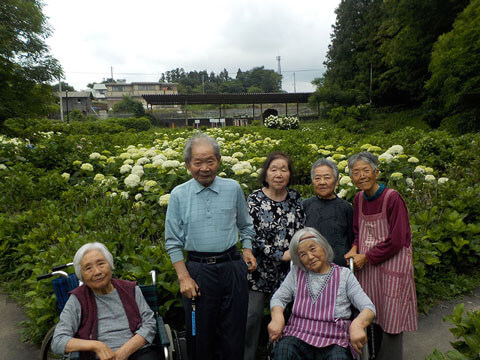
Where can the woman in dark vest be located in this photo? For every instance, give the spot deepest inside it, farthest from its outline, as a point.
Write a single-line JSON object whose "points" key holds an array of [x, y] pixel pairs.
{"points": [[104, 318]]}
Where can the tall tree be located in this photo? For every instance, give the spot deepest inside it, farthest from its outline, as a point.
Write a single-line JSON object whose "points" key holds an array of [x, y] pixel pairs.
{"points": [[25, 64], [410, 28], [454, 85]]}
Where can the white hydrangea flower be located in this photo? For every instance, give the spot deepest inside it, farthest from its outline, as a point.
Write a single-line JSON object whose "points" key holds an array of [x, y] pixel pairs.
{"points": [[396, 176], [138, 196], [395, 150], [222, 174], [65, 175], [124, 194], [413, 160], [125, 169], [374, 149], [386, 158], [138, 170], [237, 154], [342, 164], [94, 156], [341, 194], [229, 160], [429, 178], [163, 200], [170, 164], [124, 156], [345, 180], [86, 167], [132, 180], [149, 184], [442, 180], [99, 177], [150, 153], [409, 182], [170, 154], [142, 161], [113, 194], [420, 169]]}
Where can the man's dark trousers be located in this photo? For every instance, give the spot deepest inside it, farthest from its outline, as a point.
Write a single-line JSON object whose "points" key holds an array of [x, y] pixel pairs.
{"points": [[220, 310]]}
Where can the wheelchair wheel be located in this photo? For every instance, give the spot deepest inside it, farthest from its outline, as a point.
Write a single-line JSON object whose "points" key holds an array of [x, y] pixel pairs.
{"points": [[179, 344], [46, 351]]}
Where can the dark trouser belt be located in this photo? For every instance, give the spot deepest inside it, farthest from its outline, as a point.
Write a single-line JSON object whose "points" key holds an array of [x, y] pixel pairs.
{"points": [[209, 258]]}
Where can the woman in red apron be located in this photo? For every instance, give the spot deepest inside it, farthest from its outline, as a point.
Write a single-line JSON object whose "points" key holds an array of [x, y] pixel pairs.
{"points": [[382, 253]]}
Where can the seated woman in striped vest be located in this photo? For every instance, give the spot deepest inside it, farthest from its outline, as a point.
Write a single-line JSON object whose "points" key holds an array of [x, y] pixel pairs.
{"points": [[319, 326]]}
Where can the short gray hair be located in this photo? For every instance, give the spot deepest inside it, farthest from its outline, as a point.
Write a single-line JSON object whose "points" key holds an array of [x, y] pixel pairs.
{"points": [[317, 237], [325, 162], [199, 138], [87, 248], [366, 156]]}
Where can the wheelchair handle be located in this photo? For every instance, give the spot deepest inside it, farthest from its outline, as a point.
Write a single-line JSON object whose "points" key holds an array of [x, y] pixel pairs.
{"points": [[352, 268], [154, 277], [61, 267], [53, 273]]}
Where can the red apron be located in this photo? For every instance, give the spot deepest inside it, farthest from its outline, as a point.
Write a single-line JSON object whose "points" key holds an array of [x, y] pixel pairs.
{"points": [[390, 285]]}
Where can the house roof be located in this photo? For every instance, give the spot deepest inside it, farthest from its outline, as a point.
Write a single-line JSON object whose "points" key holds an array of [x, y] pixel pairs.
{"points": [[76, 94], [142, 83], [242, 98], [99, 87]]}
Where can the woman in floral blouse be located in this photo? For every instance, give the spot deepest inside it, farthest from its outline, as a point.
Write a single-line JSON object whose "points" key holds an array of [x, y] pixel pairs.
{"points": [[277, 213]]}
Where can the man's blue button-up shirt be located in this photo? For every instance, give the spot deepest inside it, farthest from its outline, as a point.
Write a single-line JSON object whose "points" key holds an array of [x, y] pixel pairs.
{"points": [[207, 219]]}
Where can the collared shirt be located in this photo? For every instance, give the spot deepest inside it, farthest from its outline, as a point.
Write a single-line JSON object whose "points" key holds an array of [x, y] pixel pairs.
{"points": [[207, 219]]}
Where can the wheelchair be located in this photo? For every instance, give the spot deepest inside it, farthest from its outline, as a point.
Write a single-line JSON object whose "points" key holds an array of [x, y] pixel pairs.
{"points": [[171, 342], [366, 353]]}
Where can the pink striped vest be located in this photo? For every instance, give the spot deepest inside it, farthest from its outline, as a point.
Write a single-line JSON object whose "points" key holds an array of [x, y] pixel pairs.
{"points": [[314, 322], [390, 284]]}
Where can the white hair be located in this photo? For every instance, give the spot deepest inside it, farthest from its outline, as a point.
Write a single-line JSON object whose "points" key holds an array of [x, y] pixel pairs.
{"points": [[317, 238], [77, 259]]}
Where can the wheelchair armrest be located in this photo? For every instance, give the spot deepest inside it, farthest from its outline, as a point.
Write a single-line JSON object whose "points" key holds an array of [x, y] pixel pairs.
{"points": [[162, 332], [74, 355]]}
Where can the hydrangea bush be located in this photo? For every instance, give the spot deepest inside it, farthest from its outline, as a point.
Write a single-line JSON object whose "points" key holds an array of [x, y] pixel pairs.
{"points": [[282, 122], [62, 190]]}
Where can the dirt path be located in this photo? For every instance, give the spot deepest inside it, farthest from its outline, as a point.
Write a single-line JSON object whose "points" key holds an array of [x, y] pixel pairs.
{"points": [[11, 347], [433, 331]]}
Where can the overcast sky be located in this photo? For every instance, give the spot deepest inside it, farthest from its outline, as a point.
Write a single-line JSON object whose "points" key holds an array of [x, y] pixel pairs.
{"points": [[141, 39]]}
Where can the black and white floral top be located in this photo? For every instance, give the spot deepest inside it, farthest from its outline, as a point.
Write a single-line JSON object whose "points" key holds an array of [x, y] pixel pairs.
{"points": [[275, 222]]}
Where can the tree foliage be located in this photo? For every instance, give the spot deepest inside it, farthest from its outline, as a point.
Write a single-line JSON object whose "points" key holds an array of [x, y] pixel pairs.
{"points": [[257, 79], [25, 64], [129, 106], [392, 40], [454, 85]]}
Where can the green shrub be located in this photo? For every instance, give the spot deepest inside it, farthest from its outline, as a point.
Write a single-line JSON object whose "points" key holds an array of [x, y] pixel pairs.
{"points": [[467, 330]]}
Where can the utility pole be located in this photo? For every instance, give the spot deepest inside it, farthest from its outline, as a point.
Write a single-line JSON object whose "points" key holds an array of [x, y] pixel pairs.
{"points": [[61, 98], [294, 83], [279, 68], [66, 99]]}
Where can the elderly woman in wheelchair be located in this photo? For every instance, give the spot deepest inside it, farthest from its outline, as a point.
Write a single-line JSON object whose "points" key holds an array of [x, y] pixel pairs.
{"points": [[105, 318], [319, 326]]}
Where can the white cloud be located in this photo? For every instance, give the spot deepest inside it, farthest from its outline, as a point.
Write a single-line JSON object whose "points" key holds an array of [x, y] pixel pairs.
{"points": [[142, 39]]}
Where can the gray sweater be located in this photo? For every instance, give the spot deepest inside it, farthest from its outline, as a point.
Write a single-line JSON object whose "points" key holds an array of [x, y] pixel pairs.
{"points": [[349, 292], [113, 328]]}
